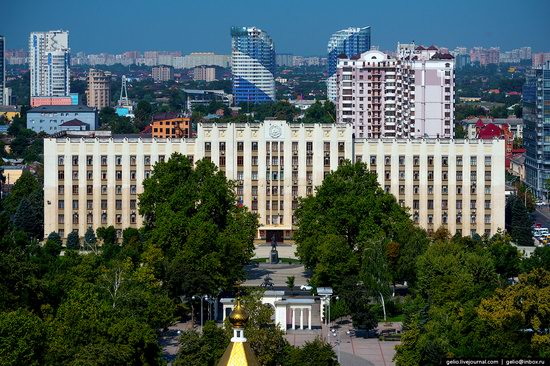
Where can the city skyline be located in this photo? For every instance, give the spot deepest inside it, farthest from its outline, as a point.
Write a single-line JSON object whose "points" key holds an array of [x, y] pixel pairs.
{"points": [[291, 26]]}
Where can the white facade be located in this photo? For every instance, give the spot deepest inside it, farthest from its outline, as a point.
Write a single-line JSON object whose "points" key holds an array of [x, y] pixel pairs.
{"points": [[96, 181], [49, 62]]}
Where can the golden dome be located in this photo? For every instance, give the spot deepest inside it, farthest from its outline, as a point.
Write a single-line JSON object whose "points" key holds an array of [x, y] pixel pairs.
{"points": [[238, 316]]}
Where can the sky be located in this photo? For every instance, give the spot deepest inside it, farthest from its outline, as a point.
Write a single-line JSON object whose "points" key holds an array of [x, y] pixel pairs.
{"points": [[301, 27]]}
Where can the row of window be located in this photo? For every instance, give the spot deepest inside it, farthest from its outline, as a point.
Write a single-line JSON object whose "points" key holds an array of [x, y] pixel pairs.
{"points": [[104, 160], [459, 220], [90, 189], [444, 175], [90, 218], [444, 189], [445, 204], [430, 159], [90, 174], [90, 204]]}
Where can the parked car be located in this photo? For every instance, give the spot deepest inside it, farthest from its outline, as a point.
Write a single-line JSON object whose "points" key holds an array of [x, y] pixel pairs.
{"points": [[306, 288], [540, 203]]}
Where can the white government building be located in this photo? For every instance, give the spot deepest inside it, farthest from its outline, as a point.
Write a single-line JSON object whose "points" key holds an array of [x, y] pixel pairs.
{"points": [[94, 180]]}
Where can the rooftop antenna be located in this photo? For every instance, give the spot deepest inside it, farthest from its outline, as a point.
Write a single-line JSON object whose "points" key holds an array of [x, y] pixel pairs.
{"points": [[123, 101]]}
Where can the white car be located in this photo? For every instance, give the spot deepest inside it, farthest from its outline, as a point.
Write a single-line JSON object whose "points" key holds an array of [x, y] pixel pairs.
{"points": [[306, 288], [541, 203]]}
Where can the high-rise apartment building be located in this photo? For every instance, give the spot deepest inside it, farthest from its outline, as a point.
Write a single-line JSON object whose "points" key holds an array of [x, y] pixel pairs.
{"points": [[536, 133], [204, 73], [539, 59], [410, 95], [285, 59], [3, 98], [162, 73], [349, 42], [96, 182], [98, 94], [49, 61], [483, 56], [252, 65]]}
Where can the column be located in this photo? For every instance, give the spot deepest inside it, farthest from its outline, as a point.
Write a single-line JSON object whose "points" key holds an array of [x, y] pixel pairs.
{"points": [[293, 318], [301, 318], [309, 318]]}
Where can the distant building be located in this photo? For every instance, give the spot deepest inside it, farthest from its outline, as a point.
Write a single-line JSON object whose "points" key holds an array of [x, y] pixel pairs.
{"points": [[349, 42], [49, 62], [98, 94], [539, 59], [50, 119], [204, 73], [162, 73], [536, 114], [471, 125], [71, 99], [284, 59], [517, 165], [462, 61], [201, 58], [204, 97], [3, 99], [170, 125], [485, 56], [252, 65]]}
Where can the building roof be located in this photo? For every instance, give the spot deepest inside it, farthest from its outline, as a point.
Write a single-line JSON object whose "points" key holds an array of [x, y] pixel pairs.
{"points": [[480, 123], [420, 48], [166, 115], [73, 122], [432, 48], [61, 108], [442, 56], [10, 108], [496, 121], [489, 131]]}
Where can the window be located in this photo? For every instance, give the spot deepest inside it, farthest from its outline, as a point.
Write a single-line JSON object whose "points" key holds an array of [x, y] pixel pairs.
{"points": [[430, 160], [416, 189], [90, 175], [430, 175], [133, 160], [459, 175], [60, 175], [61, 219], [161, 158], [487, 161], [103, 175], [147, 160], [104, 160], [222, 161], [458, 189], [89, 204], [118, 160], [487, 189], [473, 204], [487, 219], [103, 189], [459, 204], [372, 160], [75, 159], [75, 189], [207, 146], [75, 219], [240, 146], [61, 190], [132, 174], [254, 146], [104, 218], [89, 160], [416, 160], [118, 204], [133, 189], [444, 189], [341, 147], [222, 146], [118, 189], [444, 204], [61, 204], [89, 189], [75, 174], [60, 160], [119, 175], [103, 204], [488, 204], [459, 160], [133, 218], [75, 204], [402, 175], [430, 204], [473, 161], [416, 204], [90, 218], [118, 219]]}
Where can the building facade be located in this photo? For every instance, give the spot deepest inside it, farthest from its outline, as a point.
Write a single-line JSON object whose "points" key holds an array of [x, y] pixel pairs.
{"points": [[170, 125], [252, 65], [536, 131], [411, 95], [95, 181], [539, 59], [98, 94], [349, 42], [49, 119], [194, 97], [204, 73], [49, 62], [162, 73]]}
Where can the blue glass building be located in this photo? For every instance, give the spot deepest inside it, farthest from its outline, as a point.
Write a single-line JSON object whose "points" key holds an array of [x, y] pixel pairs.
{"points": [[536, 130], [252, 65], [351, 42]]}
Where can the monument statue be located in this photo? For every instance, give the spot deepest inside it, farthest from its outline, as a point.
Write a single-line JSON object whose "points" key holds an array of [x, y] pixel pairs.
{"points": [[274, 257]]}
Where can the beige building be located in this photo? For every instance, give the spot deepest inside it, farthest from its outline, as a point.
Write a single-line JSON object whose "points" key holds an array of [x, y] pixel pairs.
{"points": [[95, 182], [162, 73], [204, 73], [98, 94]]}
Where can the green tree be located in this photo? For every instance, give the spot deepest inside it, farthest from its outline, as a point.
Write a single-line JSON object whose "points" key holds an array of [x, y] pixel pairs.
{"points": [[193, 216], [29, 216], [205, 349], [53, 244], [143, 114], [316, 352], [22, 338], [518, 221], [73, 241], [519, 317], [25, 186], [290, 282], [90, 240]]}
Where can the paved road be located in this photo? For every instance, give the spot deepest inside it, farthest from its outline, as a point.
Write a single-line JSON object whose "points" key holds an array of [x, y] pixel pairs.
{"points": [[542, 216], [285, 251]]}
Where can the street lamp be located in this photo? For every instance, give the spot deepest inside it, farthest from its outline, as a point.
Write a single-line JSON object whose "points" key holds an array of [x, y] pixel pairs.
{"points": [[328, 321], [202, 297], [337, 341]]}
